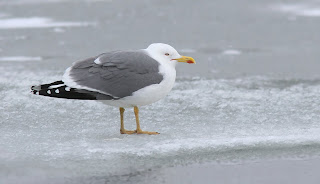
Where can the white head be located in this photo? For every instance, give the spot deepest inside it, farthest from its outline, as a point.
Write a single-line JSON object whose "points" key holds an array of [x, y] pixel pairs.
{"points": [[167, 54]]}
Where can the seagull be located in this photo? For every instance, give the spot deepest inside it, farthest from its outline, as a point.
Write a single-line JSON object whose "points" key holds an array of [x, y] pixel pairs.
{"points": [[121, 79]]}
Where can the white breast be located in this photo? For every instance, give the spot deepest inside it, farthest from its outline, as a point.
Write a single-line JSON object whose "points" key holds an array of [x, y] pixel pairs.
{"points": [[149, 94]]}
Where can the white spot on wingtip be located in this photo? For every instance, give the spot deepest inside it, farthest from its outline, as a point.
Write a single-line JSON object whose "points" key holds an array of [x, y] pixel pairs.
{"points": [[49, 92], [37, 93], [57, 91], [55, 86], [97, 61], [67, 88]]}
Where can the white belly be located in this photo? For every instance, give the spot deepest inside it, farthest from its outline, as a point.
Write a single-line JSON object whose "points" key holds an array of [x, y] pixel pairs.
{"points": [[149, 94]]}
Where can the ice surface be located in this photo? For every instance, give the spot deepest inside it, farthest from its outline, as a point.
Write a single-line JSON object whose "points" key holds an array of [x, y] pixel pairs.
{"points": [[202, 119], [36, 22]]}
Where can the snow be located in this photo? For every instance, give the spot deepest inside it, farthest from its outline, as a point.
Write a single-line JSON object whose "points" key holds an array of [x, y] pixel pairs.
{"points": [[20, 58], [37, 22], [30, 2], [308, 10]]}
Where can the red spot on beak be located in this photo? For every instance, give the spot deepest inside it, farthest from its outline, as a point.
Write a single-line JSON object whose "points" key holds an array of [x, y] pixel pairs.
{"points": [[190, 62]]}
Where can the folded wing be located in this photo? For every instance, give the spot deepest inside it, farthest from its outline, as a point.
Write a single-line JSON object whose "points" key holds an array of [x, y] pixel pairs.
{"points": [[117, 74]]}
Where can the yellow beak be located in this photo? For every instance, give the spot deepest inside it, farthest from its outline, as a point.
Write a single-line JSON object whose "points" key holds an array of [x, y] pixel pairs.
{"points": [[186, 59]]}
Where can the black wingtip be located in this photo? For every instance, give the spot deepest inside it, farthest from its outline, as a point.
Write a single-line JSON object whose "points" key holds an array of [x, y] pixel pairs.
{"points": [[59, 90]]}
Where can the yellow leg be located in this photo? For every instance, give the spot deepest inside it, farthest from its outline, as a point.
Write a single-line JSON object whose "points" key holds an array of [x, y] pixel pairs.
{"points": [[139, 131], [122, 130]]}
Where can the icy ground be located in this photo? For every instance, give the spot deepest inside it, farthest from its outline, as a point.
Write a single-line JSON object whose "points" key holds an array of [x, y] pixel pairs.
{"points": [[202, 119], [253, 94]]}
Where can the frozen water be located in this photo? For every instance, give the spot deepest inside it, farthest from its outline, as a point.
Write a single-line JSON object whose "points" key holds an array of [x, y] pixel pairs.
{"points": [[201, 119]]}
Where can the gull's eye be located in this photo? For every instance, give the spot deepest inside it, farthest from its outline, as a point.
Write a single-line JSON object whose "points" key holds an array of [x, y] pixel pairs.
{"points": [[167, 54]]}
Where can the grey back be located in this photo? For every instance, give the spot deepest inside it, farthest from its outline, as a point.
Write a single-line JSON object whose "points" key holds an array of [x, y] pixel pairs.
{"points": [[120, 73]]}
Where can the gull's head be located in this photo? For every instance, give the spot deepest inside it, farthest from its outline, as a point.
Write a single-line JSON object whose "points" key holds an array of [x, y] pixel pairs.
{"points": [[165, 53]]}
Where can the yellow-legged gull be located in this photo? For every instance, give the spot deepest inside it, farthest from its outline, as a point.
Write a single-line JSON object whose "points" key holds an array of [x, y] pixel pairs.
{"points": [[121, 79]]}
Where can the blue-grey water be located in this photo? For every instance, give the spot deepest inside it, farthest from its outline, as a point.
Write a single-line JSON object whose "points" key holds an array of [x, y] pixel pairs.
{"points": [[253, 94]]}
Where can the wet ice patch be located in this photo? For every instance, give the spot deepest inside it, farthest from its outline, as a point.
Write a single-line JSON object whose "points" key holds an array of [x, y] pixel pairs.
{"points": [[20, 58], [37, 22], [308, 10]]}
